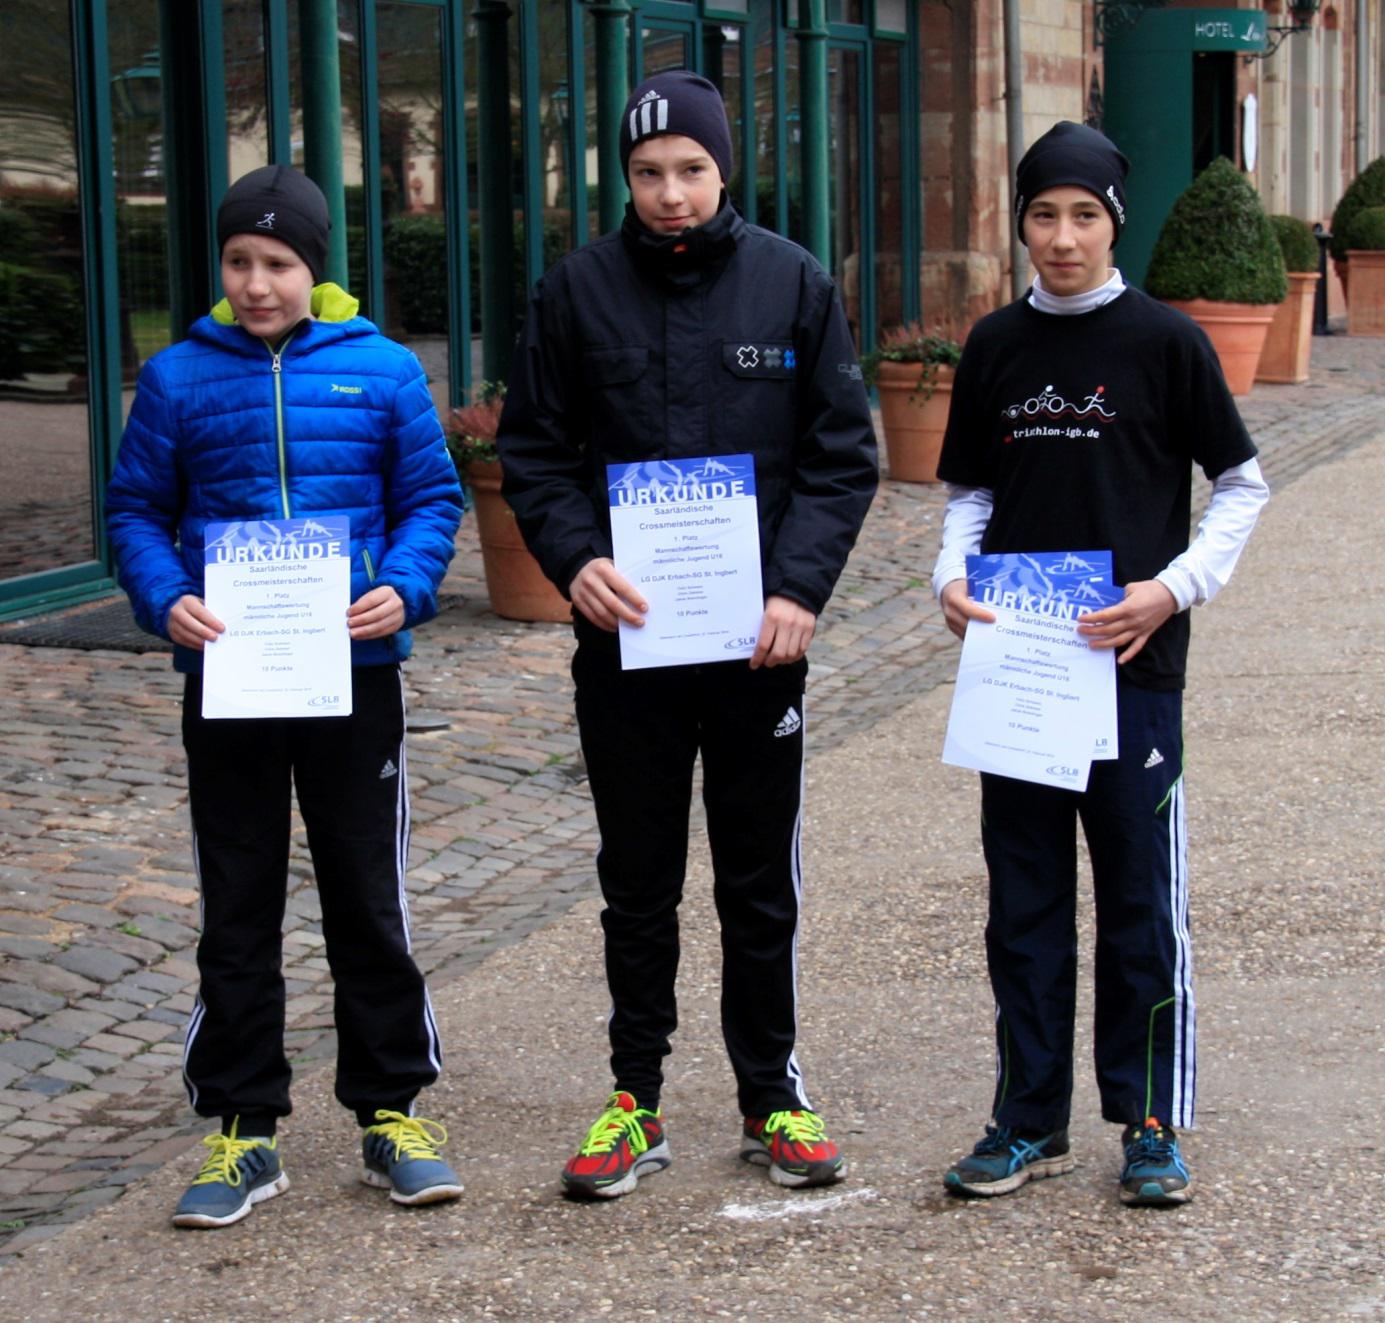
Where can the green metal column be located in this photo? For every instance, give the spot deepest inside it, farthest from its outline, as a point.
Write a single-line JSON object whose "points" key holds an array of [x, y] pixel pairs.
{"points": [[812, 75], [495, 206], [322, 122], [612, 89]]}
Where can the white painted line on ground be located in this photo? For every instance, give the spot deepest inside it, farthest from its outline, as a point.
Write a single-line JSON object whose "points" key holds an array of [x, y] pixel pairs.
{"points": [[796, 1208]]}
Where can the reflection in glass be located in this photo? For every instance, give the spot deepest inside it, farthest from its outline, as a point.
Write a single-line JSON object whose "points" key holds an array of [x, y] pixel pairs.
{"points": [[766, 113], [555, 146], [889, 185], [844, 138], [412, 174], [247, 122], [45, 449], [722, 60], [664, 49]]}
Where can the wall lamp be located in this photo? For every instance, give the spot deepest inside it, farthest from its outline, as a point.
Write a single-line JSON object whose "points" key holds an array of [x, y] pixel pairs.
{"points": [[1301, 15]]}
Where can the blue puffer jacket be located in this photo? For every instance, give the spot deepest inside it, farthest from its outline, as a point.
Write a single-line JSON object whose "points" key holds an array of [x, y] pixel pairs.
{"points": [[339, 422]]}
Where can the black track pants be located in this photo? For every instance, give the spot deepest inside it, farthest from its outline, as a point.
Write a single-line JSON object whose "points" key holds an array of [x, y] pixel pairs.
{"points": [[349, 773], [641, 734]]}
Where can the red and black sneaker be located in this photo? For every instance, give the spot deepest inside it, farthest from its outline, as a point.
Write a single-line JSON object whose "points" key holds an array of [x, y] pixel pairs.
{"points": [[625, 1143], [795, 1148]]}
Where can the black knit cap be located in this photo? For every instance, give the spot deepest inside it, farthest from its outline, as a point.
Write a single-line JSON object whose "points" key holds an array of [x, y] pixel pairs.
{"points": [[677, 101], [278, 201], [1073, 154]]}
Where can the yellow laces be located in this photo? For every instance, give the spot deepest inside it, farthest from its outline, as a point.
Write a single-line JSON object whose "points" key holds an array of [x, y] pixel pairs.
{"points": [[798, 1127], [605, 1134], [412, 1136], [223, 1166]]}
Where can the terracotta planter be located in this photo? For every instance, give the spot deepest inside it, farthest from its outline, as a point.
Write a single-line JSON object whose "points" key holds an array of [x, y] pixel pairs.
{"points": [[1340, 267], [1237, 332], [518, 589], [1287, 346], [1366, 307], [914, 425]]}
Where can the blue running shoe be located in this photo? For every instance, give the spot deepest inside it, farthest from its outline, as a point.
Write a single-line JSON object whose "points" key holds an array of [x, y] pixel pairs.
{"points": [[401, 1156], [1004, 1159], [239, 1174], [1154, 1173]]}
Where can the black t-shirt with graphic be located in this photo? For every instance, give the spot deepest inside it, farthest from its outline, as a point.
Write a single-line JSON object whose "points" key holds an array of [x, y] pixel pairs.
{"points": [[1085, 428]]}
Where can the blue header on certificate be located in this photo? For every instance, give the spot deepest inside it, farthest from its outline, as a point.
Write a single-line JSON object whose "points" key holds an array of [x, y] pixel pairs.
{"points": [[271, 541], [678, 482], [1062, 584]]}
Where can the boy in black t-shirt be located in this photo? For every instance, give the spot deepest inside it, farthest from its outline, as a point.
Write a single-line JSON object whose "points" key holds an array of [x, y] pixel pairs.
{"points": [[1077, 414]]}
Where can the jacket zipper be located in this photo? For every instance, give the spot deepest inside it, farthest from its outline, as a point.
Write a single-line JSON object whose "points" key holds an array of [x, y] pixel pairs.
{"points": [[369, 564], [276, 367]]}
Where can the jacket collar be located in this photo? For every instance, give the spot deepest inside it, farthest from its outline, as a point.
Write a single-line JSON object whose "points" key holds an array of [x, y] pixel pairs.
{"points": [[329, 303], [685, 259]]}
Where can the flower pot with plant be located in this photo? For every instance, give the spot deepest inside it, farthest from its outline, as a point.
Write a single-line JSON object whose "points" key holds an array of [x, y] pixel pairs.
{"points": [[912, 371], [518, 588], [1365, 240], [1366, 190], [1290, 339], [1217, 260]]}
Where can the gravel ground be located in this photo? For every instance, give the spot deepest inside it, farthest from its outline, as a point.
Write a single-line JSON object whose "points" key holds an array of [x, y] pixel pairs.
{"points": [[1286, 743]]}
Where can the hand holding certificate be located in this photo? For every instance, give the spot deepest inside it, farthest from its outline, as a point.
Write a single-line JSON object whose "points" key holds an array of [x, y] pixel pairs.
{"points": [[281, 587], [1034, 701], [686, 534]]}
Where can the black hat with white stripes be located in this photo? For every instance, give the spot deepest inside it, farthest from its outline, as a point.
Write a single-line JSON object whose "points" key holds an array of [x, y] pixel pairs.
{"points": [[677, 101]]}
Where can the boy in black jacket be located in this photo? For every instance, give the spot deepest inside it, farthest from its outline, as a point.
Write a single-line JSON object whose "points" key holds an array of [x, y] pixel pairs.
{"points": [[1077, 414], [688, 334]]}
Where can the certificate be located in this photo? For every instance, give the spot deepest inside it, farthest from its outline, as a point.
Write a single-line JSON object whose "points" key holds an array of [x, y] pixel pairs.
{"points": [[686, 533], [281, 587], [1034, 700]]}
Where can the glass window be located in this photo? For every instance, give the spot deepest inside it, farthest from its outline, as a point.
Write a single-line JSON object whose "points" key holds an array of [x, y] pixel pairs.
{"points": [[844, 138], [889, 185], [555, 140], [722, 64], [413, 158], [766, 117], [247, 99], [352, 150], [45, 449], [665, 48]]}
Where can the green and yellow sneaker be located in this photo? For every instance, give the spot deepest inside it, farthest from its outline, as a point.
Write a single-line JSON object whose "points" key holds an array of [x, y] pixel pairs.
{"points": [[795, 1148], [624, 1143]]}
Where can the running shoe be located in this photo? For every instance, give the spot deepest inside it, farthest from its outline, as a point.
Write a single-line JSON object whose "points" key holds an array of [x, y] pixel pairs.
{"points": [[795, 1148], [1154, 1172], [401, 1156], [237, 1175], [624, 1143], [1004, 1159]]}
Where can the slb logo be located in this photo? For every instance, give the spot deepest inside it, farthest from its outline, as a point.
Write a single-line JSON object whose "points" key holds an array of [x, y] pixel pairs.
{"points": [[1062, 769], [325, 700], [747, 642]]}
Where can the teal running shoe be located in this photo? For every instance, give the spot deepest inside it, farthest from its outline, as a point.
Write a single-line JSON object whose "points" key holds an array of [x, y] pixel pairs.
{"points": [[238, 1174], [1005, 1159], [1154, 1172], [401, 1156]]}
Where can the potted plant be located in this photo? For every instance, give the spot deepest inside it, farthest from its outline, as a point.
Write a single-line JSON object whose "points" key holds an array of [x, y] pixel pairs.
{"points": [[1217, 260], [1290, 339], [912, 371], [518, 588], [1366, 190], [1365, 240]]}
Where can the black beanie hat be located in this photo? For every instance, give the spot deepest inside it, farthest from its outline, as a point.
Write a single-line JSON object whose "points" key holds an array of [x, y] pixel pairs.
{"points": [[284, 204], [677, 101], [1073, 154]]}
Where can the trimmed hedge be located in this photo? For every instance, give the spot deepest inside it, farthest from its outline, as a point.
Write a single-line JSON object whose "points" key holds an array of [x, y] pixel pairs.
{"points": [[1217, 243], [1366, 190], [1296, 242], [1366, 230], [43, 328]]}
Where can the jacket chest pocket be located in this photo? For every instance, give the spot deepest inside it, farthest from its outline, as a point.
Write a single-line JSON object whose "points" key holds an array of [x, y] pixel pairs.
{"points": [[615, 383]]}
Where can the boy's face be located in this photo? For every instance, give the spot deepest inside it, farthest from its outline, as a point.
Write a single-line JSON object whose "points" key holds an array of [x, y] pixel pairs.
{"points": [[1069, 236], [269, 286], [674, 184]]}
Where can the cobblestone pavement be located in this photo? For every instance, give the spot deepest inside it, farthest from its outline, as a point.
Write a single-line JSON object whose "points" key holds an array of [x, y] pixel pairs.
{"points": [[98, 904]]}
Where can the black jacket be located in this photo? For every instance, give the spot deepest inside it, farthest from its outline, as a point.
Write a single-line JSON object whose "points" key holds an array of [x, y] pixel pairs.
{"points": [[726, 339]]}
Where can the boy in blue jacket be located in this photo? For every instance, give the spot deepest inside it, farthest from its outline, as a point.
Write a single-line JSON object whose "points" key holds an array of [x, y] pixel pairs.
{"points": [[283, 403]]}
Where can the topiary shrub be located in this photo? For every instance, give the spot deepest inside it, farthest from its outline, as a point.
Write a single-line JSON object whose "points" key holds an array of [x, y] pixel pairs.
{"points": [[1366, 190], [1217, 243], [42, 329], [1296, 243], [1366, 230]]}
